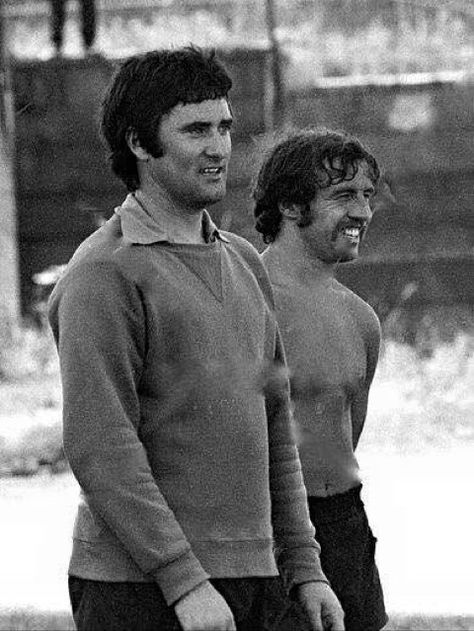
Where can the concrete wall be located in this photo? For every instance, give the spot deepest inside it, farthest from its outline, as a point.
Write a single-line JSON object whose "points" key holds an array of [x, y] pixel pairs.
{"points": [[422, 236], [64, 184], [423, 135]]}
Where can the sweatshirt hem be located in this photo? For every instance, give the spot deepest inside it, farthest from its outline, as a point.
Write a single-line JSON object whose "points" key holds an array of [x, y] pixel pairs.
{"points": [[105, 561]]}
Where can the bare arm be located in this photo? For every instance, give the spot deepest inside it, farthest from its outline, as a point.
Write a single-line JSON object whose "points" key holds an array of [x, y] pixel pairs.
{"points": [[360, 401]]}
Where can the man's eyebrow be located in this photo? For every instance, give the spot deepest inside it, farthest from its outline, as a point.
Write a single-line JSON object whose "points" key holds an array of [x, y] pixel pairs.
{"points": [[206, 124], [344, 187], [196, 123]]}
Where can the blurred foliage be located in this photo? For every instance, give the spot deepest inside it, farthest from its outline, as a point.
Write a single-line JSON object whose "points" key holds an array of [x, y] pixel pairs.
{"points": [[30, 404], [422, 394], [318, 38], [367, 38], [418, 400], [28, 352], [40, 447], [120, 37]]}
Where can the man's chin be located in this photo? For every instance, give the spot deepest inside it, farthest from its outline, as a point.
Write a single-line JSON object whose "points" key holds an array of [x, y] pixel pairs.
{"points": [[205, 201], [349, 257], [214, 199]]}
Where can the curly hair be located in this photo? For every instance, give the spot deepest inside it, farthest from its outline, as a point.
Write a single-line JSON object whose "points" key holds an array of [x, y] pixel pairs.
{"points": [[297, 167], [146, 87]]}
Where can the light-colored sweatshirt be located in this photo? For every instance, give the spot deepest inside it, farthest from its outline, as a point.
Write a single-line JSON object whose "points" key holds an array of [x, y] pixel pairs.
{"points": [[187, 469]]}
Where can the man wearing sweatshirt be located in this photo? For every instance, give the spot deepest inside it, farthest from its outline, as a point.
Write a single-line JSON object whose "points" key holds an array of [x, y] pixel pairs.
{"points": [[312, 207], [192, 499]]}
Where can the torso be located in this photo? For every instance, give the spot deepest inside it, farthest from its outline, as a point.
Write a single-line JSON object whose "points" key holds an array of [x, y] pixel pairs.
{"points": [[326, 330], [199, 329]]}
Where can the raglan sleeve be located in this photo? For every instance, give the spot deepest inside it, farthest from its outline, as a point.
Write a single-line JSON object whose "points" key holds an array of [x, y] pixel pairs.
{"points": [[296, 549], [99, 324]]}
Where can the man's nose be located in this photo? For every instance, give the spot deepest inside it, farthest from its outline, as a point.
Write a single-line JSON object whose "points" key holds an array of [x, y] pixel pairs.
{"points": [[218, 145], [361, 209]]}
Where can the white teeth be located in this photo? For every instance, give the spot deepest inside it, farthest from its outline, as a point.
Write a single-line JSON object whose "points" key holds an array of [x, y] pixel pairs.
{"points": [[352, 232], [211, 170]]}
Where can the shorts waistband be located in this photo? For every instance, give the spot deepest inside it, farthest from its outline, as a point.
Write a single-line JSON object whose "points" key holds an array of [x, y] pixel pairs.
{"points": [[333, 506]]}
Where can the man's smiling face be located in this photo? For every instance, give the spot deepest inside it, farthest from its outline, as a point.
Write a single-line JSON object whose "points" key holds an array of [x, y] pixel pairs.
{"points": [[340, 215], [196, 143]]}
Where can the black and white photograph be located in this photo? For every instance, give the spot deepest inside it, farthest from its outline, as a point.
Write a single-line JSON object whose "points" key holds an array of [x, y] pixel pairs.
{"points": [[236, 315]]}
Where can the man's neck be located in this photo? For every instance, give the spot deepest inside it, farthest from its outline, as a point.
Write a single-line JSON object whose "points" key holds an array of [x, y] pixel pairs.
{"points": [[288, 258], [183, 225]]}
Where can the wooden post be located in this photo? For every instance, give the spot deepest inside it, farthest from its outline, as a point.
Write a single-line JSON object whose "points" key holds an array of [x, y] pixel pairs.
{"points": [[9, 281], [277, 107]]}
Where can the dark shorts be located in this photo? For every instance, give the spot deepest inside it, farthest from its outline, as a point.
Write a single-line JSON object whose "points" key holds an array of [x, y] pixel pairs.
{"points": [[258, 604], [348, 558]]}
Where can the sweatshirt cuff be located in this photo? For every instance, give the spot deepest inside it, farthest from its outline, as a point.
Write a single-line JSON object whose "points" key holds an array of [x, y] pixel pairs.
{"points": [[300, 566], [179, 577]]}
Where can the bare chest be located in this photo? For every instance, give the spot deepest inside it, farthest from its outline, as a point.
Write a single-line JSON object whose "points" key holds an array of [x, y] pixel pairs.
{"points": [[324, 343]]}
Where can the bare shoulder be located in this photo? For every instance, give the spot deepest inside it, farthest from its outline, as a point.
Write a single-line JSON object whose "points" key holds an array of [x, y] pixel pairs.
{"points": [[364, 314]]}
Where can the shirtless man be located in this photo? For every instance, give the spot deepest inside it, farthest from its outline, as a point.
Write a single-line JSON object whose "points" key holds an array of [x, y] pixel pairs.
{"points": [[312, 206]]}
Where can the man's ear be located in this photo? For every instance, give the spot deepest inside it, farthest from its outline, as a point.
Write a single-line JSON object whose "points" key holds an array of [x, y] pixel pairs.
{"points": [[290, 211], [135, 146]]}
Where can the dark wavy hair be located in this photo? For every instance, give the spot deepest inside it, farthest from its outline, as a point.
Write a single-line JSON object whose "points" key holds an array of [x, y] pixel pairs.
{"points": [[146, 87], [297, 167]]}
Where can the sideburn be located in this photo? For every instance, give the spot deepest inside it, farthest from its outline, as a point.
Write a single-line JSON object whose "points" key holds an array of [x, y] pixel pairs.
{"points": [[306, 218]]}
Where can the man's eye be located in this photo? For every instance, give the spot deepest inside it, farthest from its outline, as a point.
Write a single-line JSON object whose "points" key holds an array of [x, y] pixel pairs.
{"points": [[195, 130], [225, 128]]}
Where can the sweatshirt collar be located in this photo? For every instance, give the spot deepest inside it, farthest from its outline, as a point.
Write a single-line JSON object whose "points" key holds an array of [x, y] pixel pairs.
{"points": [[140, 227]]}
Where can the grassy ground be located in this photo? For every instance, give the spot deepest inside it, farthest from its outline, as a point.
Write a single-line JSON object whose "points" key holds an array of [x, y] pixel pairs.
{"points": [[60, 621], [35, 621], [431, 623]]}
